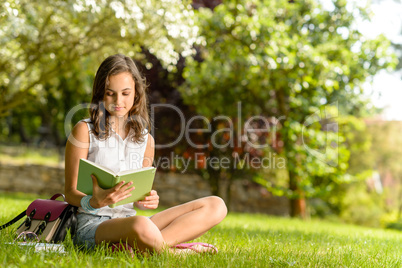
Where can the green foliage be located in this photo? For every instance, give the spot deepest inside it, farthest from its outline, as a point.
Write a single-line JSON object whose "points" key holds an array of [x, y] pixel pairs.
{"points": [[50, 51], [296, 62], [375, 146], [386, 150], [394, 226], [362, 207]]}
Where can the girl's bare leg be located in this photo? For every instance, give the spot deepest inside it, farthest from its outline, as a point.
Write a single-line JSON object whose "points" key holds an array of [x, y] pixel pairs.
{"points": [[190, 220], [139, 232], [167, 228]]}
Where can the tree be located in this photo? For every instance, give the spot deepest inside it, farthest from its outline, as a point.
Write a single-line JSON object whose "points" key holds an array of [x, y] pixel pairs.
{"points": [[296, 62], [50, 50]]}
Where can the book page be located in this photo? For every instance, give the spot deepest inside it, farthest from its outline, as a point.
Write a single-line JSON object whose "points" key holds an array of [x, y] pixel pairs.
{"points": [[125, 172], [108, 170]]}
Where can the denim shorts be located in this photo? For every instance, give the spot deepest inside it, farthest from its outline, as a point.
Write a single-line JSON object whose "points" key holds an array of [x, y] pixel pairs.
{"points": [[87, 225]]}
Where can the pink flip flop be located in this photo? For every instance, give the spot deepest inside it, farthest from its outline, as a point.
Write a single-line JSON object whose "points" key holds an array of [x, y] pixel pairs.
{"points": [[191, 246]]}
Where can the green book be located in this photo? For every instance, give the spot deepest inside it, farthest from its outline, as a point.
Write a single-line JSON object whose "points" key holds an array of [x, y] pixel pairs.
{"points": [[142, 179]]}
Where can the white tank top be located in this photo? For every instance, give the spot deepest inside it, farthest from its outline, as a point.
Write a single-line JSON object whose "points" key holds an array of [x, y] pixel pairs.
{"points": [[118, 155]]}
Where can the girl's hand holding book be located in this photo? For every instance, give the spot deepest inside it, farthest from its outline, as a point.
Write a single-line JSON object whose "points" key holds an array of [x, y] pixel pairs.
{"points": [[149, 202], [101, 198]]}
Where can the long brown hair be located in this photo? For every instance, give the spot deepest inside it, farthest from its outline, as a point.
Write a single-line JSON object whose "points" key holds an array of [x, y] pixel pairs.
{"points": [[138, 117]]}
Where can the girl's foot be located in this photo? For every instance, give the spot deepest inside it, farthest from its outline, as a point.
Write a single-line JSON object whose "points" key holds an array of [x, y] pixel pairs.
{"points": [[191, 248]]}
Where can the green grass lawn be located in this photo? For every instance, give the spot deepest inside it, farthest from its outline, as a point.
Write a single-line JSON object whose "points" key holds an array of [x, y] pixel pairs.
{"points": [[243, 240], [21, 155]]}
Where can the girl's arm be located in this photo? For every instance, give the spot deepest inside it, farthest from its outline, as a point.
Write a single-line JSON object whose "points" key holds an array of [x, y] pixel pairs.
{"points": [[151, 201], [149, 152], [77, 147]]}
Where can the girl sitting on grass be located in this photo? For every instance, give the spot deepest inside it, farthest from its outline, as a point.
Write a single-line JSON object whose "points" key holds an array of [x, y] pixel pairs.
{"points": [[116, 136]]}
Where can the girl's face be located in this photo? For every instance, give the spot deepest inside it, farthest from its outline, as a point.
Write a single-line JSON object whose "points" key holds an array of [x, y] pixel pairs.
{"points": [[119, 96]]}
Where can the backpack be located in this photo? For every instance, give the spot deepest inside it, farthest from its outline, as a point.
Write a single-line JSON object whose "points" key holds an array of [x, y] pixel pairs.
{"points": [[47, 220]]}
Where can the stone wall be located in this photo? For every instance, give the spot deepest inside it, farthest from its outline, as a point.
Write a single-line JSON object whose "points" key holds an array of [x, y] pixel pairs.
{"points": [[172, 188]]}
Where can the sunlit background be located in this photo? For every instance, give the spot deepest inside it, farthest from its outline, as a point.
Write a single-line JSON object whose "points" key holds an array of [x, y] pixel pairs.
{"points": [[280, 61], [386, 86]]}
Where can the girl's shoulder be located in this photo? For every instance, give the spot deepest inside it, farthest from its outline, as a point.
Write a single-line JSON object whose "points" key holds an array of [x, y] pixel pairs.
{"points": [[150, 139], [80, 132], [86, 121]]}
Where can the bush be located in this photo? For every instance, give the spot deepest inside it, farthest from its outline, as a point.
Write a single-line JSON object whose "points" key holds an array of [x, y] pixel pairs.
{"points": [[362, 207], [394, 226]]}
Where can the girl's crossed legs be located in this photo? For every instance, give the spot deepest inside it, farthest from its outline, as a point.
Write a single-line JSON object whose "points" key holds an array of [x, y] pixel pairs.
{"points": [[172, 226]]}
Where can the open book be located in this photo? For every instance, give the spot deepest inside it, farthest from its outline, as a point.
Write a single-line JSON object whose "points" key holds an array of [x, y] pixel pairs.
{"points": [[142, 179]]}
